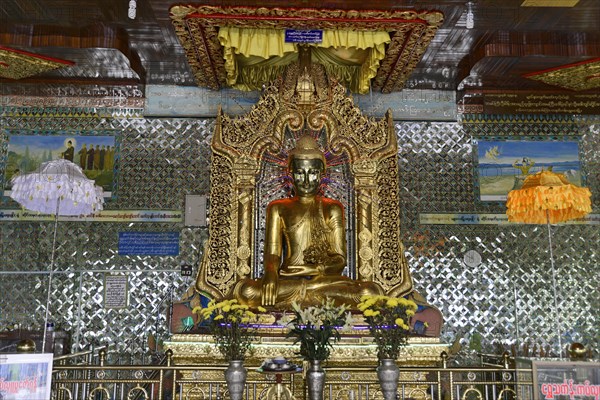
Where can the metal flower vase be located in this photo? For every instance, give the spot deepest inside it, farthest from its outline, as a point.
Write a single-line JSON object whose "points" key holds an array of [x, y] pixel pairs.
{"points": [[315, 380], [388, 374], [235, 377]]}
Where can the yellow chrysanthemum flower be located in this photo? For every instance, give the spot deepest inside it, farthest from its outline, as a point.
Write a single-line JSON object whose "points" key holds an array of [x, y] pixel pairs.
{"points": [[399, 321], [206, 313], [410, 312], [261, 309], [227, 308], [392, 302], [368, 312], [218, 317]]}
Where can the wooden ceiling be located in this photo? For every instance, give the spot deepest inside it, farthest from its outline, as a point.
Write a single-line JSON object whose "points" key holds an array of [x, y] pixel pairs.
{"points": [[507, 42]]}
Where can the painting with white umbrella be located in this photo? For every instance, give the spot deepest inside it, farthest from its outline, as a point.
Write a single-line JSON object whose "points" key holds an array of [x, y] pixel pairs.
{"points": [[95, 154]]}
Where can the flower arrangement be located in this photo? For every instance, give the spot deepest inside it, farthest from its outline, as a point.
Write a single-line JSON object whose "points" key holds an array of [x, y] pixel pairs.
{"points": [[230, 323], [316, 328], [388, 319]]}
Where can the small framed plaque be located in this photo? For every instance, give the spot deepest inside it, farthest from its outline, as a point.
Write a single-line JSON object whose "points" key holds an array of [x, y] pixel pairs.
{"points": [[116, 290], [195, 210]]}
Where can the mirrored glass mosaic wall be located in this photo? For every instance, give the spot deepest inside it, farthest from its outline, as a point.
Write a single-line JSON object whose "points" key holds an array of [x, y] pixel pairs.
{"points": [[506, 299]]}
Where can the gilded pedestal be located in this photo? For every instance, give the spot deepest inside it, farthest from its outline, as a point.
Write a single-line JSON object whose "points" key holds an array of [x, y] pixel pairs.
{"points": [[351, 351], [350, 368]]}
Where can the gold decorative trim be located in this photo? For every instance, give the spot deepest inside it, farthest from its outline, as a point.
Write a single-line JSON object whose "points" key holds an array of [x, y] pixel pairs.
{"points": [[188, 349], [549, 3], [410, 31]]}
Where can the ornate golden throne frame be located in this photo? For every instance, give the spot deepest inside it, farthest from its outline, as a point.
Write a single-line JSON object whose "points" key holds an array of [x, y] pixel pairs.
{"points": [[300, 100]]}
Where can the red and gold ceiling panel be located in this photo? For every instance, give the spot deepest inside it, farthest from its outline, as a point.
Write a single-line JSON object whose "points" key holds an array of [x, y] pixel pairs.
{"points": [[19, 64], [579, 76], [410, 32]]}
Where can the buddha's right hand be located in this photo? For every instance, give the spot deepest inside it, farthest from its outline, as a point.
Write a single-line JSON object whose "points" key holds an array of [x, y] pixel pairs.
{"points": [[301, 270], [269, 289]]}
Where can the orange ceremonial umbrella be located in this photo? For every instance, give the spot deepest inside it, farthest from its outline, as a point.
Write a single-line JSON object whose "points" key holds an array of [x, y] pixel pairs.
{"points": [[548, 198]]}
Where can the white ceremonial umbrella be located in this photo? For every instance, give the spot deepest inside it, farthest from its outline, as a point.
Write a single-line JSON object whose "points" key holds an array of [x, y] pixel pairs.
{"points": [[57, 187]]}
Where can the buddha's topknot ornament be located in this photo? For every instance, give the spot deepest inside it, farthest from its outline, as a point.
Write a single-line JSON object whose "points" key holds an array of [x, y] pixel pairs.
{"points": [[306, 148]]}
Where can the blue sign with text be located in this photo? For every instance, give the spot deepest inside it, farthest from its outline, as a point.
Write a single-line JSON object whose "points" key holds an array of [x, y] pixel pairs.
{"points": [[148, 243], [303, 36]]}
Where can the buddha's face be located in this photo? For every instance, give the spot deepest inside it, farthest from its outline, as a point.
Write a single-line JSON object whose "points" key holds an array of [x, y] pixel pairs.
{"points": [[307, 176]]}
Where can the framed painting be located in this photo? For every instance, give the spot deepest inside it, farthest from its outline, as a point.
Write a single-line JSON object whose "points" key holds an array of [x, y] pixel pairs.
{"points": [[502, 164], [97, 155]]}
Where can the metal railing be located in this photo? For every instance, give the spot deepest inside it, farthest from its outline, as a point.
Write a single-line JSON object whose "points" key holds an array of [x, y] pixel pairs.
{"points": [[206, 382]]}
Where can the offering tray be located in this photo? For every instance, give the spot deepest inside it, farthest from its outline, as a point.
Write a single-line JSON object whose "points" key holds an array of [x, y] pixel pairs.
{"points": [[279, 365]]}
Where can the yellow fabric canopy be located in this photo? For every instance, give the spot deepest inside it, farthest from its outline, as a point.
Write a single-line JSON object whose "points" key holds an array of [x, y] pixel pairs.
{"points": [[548, 197], [255, 56]]}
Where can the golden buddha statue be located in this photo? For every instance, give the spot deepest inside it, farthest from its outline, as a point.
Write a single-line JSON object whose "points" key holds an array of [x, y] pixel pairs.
{"points": [[305, 244]]}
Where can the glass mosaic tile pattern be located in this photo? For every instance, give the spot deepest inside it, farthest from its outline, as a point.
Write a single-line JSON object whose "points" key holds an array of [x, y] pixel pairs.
{"points": [[508, 298]]}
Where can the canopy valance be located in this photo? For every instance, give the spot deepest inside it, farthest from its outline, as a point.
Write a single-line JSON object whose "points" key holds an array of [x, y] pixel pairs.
{"points": [[254, 56], [244, 47]]}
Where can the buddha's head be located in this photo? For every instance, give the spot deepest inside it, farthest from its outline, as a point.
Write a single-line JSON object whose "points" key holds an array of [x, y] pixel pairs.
{"points": [[306, 163]]}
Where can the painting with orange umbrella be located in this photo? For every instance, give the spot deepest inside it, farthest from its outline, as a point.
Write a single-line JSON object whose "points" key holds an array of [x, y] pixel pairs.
{"points": [[503, 165]]}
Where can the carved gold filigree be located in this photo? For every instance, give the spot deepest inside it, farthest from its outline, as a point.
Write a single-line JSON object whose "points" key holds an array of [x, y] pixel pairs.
{"points": [[217, 274], [389, 77], [369, 145], [410, 31], [580, 76]]}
